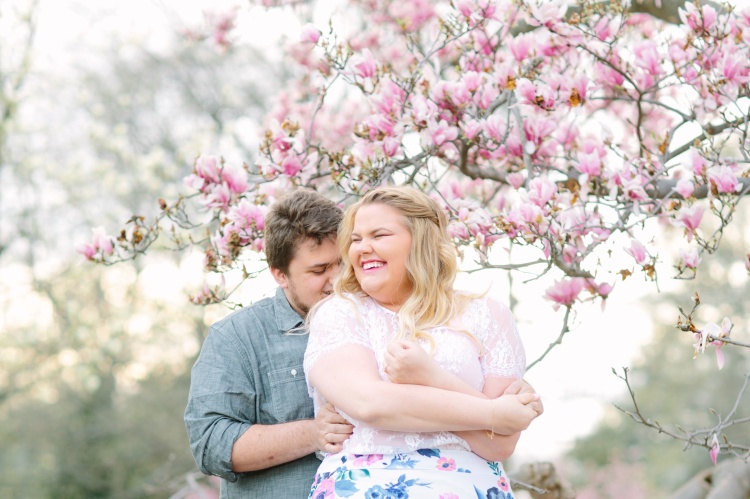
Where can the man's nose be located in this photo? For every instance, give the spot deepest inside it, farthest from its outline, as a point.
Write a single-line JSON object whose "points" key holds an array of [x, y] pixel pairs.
{"points": [[331, 272]]}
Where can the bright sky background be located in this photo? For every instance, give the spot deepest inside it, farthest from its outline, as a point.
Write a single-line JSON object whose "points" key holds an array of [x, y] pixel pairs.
{"points": [[575, 379]]}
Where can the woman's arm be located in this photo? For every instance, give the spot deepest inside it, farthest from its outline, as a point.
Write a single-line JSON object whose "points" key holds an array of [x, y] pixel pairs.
{"points": [[407, 362], [492, 445], [348, 377]]}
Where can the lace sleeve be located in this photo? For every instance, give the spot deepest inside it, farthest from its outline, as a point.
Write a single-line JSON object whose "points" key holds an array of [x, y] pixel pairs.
{"points": [[335, 323], [503, 355]]}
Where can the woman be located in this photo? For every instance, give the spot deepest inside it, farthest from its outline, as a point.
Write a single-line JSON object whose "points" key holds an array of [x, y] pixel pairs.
{"points": [[426, 424]]}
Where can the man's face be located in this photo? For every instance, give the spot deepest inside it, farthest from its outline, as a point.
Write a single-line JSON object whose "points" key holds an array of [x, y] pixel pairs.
{"points": [[310, 275]]}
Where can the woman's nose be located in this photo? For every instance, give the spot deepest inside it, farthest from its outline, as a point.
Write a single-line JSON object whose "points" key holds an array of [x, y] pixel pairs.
{"points": [[364, 246]]}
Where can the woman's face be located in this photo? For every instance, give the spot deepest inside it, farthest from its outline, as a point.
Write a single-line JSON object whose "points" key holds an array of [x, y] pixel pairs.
{"points": [[380, 245]]}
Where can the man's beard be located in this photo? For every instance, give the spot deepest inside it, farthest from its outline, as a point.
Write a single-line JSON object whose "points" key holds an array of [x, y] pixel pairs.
{"points": [[297, 303]]}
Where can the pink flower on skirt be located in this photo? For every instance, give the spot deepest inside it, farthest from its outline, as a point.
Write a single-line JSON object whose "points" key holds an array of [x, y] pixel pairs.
{"points": [[448, 495], [324, 490], [446, 464], [503, 484], [367, 459]]}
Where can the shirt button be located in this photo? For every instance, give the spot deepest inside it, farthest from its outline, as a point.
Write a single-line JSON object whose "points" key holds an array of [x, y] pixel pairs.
{"points": [[294, 372]]}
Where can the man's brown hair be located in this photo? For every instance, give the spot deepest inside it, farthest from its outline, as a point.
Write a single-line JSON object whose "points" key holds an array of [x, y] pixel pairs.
{"points": [[296, 217]]}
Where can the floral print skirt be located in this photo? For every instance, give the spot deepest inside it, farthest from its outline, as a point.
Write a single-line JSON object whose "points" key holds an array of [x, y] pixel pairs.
{"points": [[424, 474]]}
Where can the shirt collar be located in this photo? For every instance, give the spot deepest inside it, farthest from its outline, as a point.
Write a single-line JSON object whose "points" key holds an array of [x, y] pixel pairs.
{"points": [[286, 317]]}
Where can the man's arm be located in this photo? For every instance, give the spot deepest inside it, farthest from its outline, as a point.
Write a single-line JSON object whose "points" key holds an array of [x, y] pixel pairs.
{"points": [[221, 408], [263, 446]]}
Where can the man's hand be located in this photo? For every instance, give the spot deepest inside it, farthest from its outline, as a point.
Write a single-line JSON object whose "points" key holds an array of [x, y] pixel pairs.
{"points": [[331, 429], [521, 386]]}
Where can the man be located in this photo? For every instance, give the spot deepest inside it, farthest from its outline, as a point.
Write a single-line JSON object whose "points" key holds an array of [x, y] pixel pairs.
{"points": [[249, 417]]}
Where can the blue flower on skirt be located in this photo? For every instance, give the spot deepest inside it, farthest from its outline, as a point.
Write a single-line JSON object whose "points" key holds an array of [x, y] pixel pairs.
{"points": [[375, 492], [495, 493], [378, 492]]}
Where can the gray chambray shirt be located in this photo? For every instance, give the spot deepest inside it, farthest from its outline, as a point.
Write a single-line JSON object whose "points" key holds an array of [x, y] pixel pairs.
{"points": [[250, 371]]}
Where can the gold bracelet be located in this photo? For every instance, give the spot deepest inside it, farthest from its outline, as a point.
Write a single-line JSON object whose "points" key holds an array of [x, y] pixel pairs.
{"points": [[491, 433]]}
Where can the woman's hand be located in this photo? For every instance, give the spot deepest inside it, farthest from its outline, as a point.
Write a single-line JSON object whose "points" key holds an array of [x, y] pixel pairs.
{"points": [[407, 363], [513, 413], [522, 386]]}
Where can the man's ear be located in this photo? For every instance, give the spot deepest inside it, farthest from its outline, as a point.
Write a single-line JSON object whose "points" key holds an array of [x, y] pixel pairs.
{"points": [[279, 277]]}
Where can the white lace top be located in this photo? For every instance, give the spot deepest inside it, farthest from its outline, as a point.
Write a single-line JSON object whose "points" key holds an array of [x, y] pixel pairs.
{"points": [[362, 321]]}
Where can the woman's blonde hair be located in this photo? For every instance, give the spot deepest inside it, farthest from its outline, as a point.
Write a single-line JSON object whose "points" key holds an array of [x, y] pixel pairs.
{"points": [[431, 265]]}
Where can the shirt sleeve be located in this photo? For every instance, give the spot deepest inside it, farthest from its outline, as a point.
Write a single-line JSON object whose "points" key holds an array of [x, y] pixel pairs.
{"points": [[221, 402], [503, 353], [335, 323]]}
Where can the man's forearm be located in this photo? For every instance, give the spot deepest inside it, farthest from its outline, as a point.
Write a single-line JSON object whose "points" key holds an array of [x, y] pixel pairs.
{"points": [[264, 446]]}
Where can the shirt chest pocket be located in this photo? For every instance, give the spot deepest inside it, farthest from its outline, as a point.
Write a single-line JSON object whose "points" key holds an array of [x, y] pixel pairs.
{"points": [[289, 398]]}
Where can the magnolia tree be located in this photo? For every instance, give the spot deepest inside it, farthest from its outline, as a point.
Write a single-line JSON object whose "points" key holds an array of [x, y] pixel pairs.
{"points": [[560, 130]]}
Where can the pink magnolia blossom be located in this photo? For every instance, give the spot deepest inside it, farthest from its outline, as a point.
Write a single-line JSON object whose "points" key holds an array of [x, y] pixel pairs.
{"points": [[690, 258], [472, 80], [364, 64], [496, 127], [310, 33], [723, 179], [458, 230], [422, 110], [549, 13], [589, 163], [690, 218], [565, 292], [465, 7], [609, 75], [471, 129], [714, 452], [247, 215], [210, 294], [637, 251], [291, 165], [709, 336], [208, 168], [541, 190], [516, 179], [685, 188], [521, 46], [439, 133], [698, 20], [526, 89], [538, 129], [724, 332], [391, 146], [604, 28], [412, 14], [218, 197], [634, 191], [578, 90], [735, 69], [221, 23], [647, 57], [695, 162], [604, 289], [100, 242], [236, 179]]}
